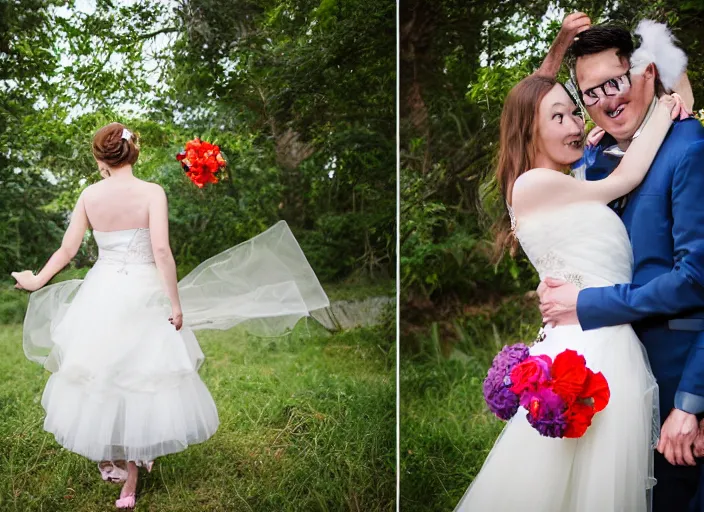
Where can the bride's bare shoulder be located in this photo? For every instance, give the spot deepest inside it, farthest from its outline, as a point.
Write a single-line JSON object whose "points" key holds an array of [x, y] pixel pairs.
{"points": [[90, 190], [155, 188], [155, 191], [540, 175], [536, 185]]}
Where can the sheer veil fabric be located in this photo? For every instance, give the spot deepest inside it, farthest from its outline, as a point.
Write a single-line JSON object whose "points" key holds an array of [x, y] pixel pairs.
{"points": [[265, 283]]}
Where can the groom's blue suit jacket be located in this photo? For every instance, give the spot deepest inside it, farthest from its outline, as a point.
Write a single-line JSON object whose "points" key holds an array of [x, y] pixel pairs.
{"points": [[664, 217]]}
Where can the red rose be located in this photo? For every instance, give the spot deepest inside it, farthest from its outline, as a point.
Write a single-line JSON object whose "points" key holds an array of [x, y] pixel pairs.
{"points": [[530, 374], [211, 165], [597, 389], [193, 144], [201, 160], [579, 417], [569, 373]]}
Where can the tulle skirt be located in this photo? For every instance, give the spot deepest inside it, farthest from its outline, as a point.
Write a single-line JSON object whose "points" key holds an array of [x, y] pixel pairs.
{"points": [[609, 469], [125, 383]]}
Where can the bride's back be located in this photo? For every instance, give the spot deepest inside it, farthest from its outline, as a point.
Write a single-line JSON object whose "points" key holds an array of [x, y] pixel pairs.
{"points": [[119, 203]]}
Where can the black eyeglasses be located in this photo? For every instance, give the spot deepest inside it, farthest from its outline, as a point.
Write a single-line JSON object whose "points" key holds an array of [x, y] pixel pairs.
{"points": [[612, 87]]}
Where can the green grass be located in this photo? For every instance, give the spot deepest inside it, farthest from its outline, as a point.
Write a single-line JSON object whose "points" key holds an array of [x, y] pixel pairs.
{"points": [[446, 429], [307, 423]]}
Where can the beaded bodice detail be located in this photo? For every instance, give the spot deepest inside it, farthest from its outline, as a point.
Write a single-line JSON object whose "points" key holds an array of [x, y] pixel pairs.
{"points": [[124, 247], [583, 243]]}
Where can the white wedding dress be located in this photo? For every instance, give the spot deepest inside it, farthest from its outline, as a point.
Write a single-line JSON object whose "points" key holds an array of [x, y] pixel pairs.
{"points": [[609, 469], [124, 383]]}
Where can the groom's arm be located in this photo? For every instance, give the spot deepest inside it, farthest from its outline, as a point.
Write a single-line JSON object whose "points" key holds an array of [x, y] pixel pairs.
{"points": [[689, 396], [681, 289]]}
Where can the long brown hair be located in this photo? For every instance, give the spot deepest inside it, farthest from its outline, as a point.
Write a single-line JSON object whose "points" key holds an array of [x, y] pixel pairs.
{"points": [[517, 147]]}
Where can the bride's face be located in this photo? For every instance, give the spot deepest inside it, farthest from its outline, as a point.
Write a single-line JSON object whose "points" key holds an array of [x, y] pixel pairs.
{"points": [[560, 129]]}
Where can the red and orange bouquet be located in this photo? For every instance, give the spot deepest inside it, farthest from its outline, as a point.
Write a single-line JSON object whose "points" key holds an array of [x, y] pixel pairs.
{"points": [[201, 160], [561, 396]]}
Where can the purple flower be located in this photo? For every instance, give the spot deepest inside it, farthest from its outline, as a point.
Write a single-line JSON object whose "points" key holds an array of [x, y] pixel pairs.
{"points": [[500, 399], [502, 402], [545, 412], [509, 357]]}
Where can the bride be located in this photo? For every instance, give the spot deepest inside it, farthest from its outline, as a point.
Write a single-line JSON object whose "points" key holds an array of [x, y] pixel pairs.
{"points": [[124, 388], [567, 230]]}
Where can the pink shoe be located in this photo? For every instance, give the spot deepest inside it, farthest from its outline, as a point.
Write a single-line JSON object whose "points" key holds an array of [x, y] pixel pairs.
{"points": [[112, 473], [126, 501]]}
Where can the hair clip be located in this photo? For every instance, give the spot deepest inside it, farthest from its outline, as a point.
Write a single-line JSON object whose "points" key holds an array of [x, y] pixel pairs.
{"points": [[126, 134]]}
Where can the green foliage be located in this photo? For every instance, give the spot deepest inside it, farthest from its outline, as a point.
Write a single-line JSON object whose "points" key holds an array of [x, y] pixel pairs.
{"points": [[299, 96], [285, 72], [26, 61], [450, 109]]}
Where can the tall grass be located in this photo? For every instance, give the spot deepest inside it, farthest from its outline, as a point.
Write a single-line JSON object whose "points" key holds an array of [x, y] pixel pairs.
{"points": [[446, 429], [307, 423]]}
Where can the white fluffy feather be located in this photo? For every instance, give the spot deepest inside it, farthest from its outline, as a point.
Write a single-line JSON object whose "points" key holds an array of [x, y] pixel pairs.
{"points": [[658, 46]]}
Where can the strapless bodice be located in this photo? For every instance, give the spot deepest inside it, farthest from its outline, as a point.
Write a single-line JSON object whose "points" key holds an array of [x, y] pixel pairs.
{"points": [[584, 243], [126, 246]]}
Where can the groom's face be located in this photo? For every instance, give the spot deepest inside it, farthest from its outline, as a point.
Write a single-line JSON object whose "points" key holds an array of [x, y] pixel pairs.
{"points": [[620, 114]]}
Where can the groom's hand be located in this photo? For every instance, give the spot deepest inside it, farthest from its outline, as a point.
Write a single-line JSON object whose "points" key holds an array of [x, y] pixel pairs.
{"points": [[677, 436], [558, 302], [698, 447]]}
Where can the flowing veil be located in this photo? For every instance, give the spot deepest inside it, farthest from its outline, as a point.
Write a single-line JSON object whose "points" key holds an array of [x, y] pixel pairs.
{"points": [[264, 284]]}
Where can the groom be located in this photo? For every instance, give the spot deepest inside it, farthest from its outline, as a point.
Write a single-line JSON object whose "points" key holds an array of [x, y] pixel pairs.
{"points": [[664, 218]]}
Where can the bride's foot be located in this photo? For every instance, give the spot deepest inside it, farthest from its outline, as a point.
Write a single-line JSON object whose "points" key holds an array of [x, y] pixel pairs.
{"points": [[128, 492]]}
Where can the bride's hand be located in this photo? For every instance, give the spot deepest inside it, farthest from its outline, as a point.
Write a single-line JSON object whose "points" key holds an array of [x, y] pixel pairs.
{"points": [[675, 104], [176, 318], [26, 280], [595, 135], [572, 25]]}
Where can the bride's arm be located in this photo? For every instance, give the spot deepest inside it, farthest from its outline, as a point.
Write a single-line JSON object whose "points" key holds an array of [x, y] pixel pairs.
{"points": [[545, 188], [163, 257], [73, 238], [572, 25]]}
